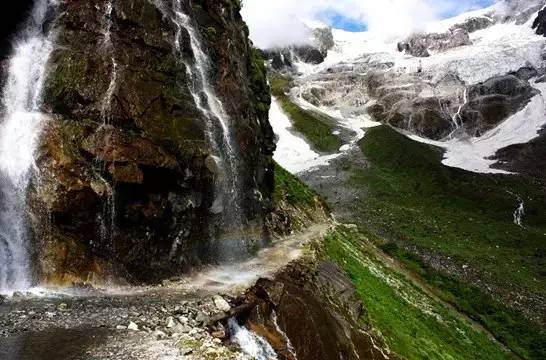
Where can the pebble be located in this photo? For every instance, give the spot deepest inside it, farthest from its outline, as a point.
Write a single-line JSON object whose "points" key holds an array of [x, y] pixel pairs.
{"points": [[132, 326]]}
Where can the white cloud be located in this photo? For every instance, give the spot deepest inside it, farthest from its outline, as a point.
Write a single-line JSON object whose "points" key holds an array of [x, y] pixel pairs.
{"points": [[279, 22]]}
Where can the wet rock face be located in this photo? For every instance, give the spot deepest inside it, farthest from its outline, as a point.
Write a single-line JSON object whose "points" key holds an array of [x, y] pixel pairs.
{"points": [[494, 100], [123, 161], [296, 315]]}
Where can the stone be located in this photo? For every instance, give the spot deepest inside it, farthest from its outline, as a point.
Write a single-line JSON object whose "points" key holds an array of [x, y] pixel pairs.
{"points": [[132, 326], [221, 304], [158, 334], [420, 44], [202, 318], [219, 334], [169, 323]]}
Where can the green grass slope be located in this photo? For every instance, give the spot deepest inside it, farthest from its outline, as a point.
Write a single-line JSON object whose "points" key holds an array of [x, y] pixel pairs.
{"points": [[418, 205], [411, 323]]}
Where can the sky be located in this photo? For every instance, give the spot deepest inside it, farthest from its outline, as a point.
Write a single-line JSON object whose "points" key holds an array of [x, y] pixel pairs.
{"points": [[281, 22]]}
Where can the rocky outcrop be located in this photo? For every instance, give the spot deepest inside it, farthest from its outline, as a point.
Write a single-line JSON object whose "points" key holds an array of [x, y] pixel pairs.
{"points": [[284, 59], [474, 24], [492, 101], [420, 45], [310, 311], [539, 25], [323, 40], [127, 175]]}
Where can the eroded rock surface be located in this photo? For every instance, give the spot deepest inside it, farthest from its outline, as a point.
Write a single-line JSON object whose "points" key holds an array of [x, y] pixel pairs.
{"points": [[310, 311], [125, 161]]}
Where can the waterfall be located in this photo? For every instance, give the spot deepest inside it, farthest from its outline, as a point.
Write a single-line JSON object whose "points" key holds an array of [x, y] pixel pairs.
{"points": [[108, 216], [225, 152], [286, 339], [20, 130], [457, 118], [252, 344], [519, 213]]}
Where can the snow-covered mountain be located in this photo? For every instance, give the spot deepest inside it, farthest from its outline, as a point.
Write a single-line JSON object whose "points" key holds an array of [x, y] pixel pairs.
{"points": [[473, 84]]}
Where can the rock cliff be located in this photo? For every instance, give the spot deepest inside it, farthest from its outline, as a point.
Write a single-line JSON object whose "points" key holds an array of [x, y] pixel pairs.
{"points": [[127, 173]]}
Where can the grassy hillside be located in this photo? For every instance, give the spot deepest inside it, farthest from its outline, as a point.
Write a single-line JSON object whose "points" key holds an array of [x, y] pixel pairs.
{"points": [[417, 206], [413, 324], [316, 128]]}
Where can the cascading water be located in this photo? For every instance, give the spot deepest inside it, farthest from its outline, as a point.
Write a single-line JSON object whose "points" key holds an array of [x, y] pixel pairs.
{"points": [[228, 200], [286, 339], [250, 343], [107, 220], [519, 213], [22, 124]]}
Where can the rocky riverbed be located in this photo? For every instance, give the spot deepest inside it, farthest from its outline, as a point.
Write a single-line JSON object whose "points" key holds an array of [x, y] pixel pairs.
{"points": [[153, 324], [183, 318]]}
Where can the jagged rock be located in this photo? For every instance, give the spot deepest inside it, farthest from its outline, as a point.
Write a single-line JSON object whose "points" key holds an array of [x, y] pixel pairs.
{"points": [[494, 100], [308, 54], [169, 323], [539, 25], [323, 39], [317, 290], [132, 326], [420, 45], [473, 24]]}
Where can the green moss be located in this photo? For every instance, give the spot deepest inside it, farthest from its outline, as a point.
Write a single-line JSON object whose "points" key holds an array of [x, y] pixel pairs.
{"points": [[258, 83], [409, 199], [411, 323], [290, 188], [316, 128]]}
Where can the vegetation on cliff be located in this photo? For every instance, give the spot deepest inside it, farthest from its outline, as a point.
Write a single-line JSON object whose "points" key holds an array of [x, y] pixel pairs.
{"points": [[317, 128]]}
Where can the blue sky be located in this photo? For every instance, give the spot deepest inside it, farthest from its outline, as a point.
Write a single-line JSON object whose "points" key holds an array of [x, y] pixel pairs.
{"points": [[340, 21]]}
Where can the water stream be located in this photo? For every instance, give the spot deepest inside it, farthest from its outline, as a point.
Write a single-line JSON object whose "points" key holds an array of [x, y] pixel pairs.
{"points": [[251, 343], [519, 213], [108, 216], [20, 130], [228, 198]]}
